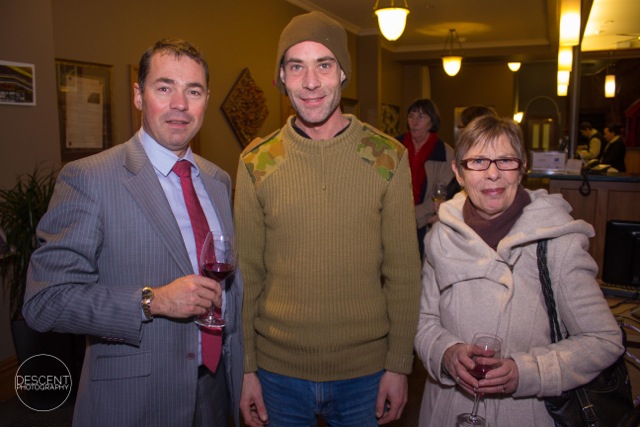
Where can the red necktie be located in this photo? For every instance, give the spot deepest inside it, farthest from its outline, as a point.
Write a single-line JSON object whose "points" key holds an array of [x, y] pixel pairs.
{"points": [[211, 339]]}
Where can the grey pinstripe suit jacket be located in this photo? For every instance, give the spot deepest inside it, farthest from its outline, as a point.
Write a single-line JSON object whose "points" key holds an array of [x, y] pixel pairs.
{"points": [[110, 231]]}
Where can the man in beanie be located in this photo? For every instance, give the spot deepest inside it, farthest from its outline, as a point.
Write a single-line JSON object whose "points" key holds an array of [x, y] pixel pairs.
{"points": [[328, 251]]}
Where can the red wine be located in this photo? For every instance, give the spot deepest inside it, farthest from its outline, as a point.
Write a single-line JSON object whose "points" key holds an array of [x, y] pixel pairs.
{"points": [[217, 270], [479, 371]]}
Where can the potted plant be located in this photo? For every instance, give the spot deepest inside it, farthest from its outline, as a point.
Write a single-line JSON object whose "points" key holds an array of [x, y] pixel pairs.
{"points": [[21, 208]]}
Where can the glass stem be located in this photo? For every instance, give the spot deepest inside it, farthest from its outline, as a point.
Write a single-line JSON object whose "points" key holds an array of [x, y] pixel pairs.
{"points": [[476, 402]]}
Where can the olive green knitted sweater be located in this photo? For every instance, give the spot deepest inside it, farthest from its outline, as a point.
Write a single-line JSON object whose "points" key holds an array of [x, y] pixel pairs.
{"points": [[328, 253]]}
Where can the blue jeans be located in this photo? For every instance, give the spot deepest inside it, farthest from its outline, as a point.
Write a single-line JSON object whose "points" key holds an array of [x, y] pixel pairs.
{"points": [[293, 402]]}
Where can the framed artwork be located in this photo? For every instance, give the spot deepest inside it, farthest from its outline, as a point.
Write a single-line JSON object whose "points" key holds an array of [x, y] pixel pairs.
{"points": [[84, 108], [390, 119], [17, 83], [245, 108]]}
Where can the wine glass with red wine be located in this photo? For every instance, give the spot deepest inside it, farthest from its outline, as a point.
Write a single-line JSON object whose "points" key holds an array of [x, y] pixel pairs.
{"points": [[484, 348], [217, 262]]}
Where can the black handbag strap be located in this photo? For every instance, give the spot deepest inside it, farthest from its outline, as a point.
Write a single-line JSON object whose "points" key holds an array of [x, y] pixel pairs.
{"points": [[547, 291], [589, 416]]}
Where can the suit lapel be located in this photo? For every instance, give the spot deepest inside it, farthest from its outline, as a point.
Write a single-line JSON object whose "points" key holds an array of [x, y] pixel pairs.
{"points": [[148, 194], [219, 196]]}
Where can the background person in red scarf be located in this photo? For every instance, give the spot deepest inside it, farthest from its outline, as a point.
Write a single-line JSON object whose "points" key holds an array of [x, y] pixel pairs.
{"points": [[430, 161]]}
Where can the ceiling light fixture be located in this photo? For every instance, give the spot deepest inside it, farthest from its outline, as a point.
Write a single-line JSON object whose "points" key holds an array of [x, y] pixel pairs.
{"points": [[570, 22], [565, 58], [610, 85], [563, 77], [514, 66], [570, 29], [450, 62], [391, 19], [563, 90]]}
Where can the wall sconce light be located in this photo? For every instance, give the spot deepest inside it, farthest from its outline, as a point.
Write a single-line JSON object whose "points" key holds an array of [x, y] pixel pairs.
{"points": [[391, 19], [565, 58], [514, 66], [610, 85], [563, 90], [450, 62]]}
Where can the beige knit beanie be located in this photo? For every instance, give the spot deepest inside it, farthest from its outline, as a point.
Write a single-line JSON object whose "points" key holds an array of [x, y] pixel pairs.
{"points": [[316, 27]]}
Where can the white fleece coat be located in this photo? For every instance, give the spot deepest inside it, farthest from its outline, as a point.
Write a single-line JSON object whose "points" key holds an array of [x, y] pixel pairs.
{"points": [[468, 287]]}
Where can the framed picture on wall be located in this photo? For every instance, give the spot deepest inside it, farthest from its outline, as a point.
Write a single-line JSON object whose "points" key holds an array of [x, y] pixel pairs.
{"points": [[390, 121], [17, 83], [84, 108]]}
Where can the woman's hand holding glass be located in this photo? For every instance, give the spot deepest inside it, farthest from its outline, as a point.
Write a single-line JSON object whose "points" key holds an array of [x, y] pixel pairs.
{"points": [[485, 351], [458, 363]]}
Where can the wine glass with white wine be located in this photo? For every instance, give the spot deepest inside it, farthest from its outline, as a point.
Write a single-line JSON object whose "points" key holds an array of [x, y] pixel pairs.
{"points": [[439, 195]]}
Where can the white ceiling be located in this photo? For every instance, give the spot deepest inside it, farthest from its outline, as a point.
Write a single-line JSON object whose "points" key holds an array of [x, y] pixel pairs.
{"points": [[488, 29], [613, 25]]}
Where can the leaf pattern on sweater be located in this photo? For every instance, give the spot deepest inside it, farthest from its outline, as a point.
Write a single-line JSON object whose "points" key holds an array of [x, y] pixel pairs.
{"points": [[264, 159], [381, 152]]}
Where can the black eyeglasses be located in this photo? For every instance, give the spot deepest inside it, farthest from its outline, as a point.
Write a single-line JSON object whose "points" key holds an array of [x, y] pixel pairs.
{"points": [[482, 164]]}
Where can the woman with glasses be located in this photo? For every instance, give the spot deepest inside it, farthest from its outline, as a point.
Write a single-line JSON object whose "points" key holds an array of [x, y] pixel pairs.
{"points": [[429, 159], [481, 275]]}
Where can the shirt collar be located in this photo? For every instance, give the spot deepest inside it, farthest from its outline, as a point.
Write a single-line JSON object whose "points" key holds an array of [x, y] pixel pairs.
{"points": [[162, 158]]}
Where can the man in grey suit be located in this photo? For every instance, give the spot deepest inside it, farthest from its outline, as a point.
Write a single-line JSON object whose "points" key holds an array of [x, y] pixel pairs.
{"points": [[117, 262]]}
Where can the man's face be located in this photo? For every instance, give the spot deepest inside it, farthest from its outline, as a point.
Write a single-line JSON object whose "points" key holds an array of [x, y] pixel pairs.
{"points": [[608, 135], [174, 100], [312, 77]]}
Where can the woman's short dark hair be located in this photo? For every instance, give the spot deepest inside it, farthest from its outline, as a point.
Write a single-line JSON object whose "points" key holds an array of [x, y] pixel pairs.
{"points": [[176, 47], [470, 113], [486, 130], [428, 107]]}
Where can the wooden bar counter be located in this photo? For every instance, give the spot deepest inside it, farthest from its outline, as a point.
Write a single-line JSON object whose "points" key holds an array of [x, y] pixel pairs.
{"points": [[597, 200]]}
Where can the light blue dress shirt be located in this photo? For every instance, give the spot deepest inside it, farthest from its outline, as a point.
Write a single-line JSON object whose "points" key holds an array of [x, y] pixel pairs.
{"points": [[163, 160]]}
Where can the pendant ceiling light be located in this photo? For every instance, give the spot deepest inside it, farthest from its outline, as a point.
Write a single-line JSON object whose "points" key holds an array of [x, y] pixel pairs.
{"points": [[450, 62], [565, 58], [391, 19], [570, 11], [563, 90], [610, 81], [563, 77], [610, 86], [514, 66]]}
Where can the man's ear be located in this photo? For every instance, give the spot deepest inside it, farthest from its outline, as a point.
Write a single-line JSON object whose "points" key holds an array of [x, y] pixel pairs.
{"points": [[282, 74], [137, 96], [343, 76]]}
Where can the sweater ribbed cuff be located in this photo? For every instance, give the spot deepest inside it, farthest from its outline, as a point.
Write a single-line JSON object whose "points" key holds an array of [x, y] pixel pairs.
{"points": [[399, 363]]}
